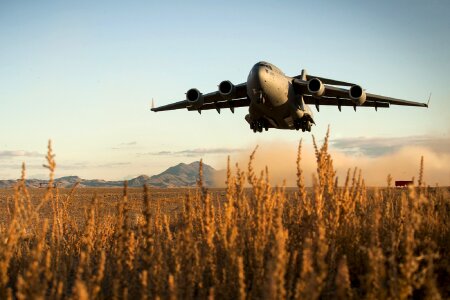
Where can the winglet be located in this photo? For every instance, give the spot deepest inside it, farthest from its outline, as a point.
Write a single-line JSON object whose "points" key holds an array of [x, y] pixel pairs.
{"points": [[152, 108], [429, 98]]}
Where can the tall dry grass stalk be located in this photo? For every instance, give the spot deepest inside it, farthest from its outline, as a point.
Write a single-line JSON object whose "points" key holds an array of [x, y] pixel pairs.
{"points": [[262, 242]]}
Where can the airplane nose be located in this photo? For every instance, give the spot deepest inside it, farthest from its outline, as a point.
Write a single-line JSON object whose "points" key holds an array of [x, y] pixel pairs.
{"points": [[257, 76], [262, 71]]}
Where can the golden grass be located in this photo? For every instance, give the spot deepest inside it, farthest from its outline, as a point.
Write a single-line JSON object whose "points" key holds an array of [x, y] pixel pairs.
{"points": [[331, 241]]}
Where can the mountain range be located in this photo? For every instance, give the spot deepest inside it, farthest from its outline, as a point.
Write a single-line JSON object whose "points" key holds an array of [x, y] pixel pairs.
{"points": [[181, 175]]}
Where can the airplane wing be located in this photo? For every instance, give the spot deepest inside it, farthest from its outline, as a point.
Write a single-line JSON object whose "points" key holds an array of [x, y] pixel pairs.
{"points": [[213, 100], [332, 94]]}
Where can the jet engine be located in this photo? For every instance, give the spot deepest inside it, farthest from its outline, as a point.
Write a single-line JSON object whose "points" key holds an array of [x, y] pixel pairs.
{"points": [[195, 98], [227, 90], [316, 87], [357, 94]]}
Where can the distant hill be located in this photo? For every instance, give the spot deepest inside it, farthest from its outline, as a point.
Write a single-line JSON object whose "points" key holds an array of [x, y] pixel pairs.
{"points": [[181, 175], [7, 183]]}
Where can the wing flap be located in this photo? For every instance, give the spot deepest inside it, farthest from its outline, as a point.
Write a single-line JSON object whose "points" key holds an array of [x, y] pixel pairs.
{"points": [[373, 97], [243, 102], [341, 102]]}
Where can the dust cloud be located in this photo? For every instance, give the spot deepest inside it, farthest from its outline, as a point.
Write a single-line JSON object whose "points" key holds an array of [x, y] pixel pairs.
{"points": [[403, 164]]}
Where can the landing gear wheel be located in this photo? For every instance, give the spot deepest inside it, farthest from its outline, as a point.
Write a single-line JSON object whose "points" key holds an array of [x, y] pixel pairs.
{"points": [[297, 124], [259, 125], [308, 126], [304, 124]]}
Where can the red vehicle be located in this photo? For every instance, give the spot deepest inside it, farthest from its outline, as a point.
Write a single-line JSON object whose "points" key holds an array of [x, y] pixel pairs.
{"points": [[403, 183]]}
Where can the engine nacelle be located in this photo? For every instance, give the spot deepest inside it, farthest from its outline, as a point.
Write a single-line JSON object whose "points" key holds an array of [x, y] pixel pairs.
{"points": [[316, 87], [357, 95], [227, 90], [195, 98]]}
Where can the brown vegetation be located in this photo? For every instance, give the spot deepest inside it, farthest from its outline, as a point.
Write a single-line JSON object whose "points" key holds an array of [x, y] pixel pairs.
{"points": [[330, 241]]}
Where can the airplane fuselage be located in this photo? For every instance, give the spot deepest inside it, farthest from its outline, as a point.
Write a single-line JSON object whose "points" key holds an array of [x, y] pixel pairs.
{"points": [[274, 102]]}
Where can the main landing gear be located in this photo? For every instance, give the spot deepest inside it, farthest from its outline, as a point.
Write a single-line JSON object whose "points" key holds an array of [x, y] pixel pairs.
{"points": [[259, 125], [304, 124]]}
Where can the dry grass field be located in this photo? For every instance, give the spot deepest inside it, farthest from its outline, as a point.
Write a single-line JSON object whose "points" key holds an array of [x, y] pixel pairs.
{"points": [[336, 240]]}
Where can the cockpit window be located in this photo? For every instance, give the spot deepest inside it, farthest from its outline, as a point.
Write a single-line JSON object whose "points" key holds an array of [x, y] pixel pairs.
{"points": [[263, 64]]}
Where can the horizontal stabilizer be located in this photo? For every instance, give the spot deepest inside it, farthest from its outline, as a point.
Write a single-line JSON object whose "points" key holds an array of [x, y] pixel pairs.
{"points": [[330, 81]]}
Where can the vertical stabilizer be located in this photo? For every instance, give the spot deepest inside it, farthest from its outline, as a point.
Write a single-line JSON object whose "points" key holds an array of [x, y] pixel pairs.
{"points": [[303, 75]]}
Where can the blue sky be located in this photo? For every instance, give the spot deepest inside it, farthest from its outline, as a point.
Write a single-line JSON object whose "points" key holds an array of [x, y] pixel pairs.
{"points": [[83, 74]]}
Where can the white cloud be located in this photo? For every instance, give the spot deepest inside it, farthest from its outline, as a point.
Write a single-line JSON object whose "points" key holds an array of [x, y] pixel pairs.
{"points": [[19, 153], [125, 145], [196, 152]]}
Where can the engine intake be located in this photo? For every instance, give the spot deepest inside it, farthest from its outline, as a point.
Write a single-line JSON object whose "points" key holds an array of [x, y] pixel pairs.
{"points": [[357, 94], [195, 98], [227, 90], [316, 87]]}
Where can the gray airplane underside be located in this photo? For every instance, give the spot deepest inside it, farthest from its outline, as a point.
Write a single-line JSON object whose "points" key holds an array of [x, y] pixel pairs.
{"points": [[279, 101]]}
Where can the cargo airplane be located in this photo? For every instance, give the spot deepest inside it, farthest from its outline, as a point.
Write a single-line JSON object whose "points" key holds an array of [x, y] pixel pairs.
{"points": [[279, 101]]}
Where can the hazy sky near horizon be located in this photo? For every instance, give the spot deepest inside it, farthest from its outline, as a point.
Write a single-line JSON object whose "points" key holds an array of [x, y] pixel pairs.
{"points": [[83, 74]]}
